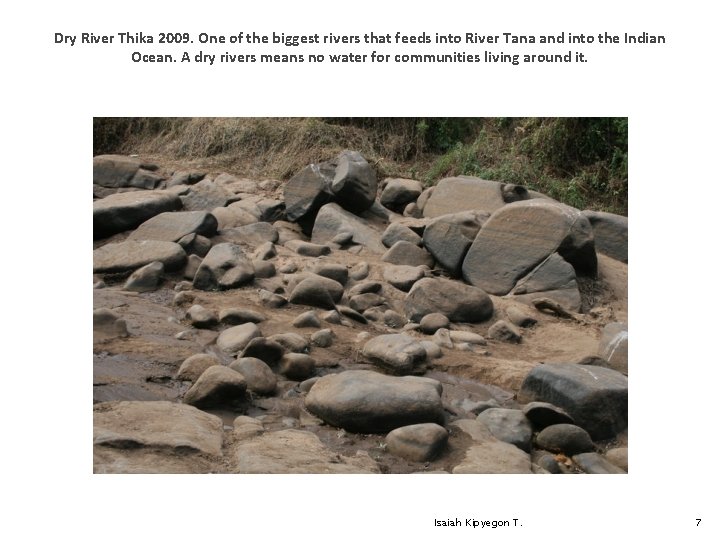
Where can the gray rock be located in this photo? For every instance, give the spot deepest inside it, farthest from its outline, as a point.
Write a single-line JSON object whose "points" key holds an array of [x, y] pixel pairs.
{"points": [[124, 211], [403, 277], [114, 171], [309, 319], [355, 183], [399, 192], [218, 386], [333, 220], [597, 398], [351, 314], [146, 278], [505, 331], [145, 179], [553, 278], [263, 269], [396, 353], [239, 316], [264, 349], [312, 291], [360, 271], [271, 300], [396, 232], [332, 317], [194, 366], [593, 463], [225, 267], [107, 323], [611, 233], [238, 337], [393, 319], [567, 439], [307, 249], [201, 317], [292, 342], [508, 425], [613, 346], [296, 366], [405, 253], [361, 302], [442, 338], [520, 317], [461, 193], [323, 338], [172, 226], [365, 287], [191, 267], [542, 415], [457, 301], [257, 374], [432, 349], [448, 238], [432, 322], [547, 462], [520, 236], [185, 178], [253, 234], [126, 256], [307, 191], [423, 198], [195, 244], [487, 455], [418, 442], [232, 216], [206, 195], [336, 272], [367, 402]]}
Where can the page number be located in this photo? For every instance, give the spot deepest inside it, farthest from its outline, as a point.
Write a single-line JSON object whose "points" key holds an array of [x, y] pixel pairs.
{"points": [[698, 522]]}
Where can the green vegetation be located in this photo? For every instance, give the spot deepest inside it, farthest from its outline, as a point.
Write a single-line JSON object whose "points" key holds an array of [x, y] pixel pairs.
{"points": [[580, 161]]}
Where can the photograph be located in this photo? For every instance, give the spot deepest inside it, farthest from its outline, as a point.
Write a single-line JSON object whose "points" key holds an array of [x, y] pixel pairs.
{"points": [[360, 295]]}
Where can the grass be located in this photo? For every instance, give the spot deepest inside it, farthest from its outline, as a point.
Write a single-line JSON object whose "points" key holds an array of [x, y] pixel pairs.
{"points": [[579, 161]]}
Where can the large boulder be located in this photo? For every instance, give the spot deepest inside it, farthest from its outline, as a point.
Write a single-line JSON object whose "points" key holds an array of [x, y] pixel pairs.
{"points": [[354, 184], [224, 267], [132, 254], [307, 191], [124, 211], [172, 226], [460, 193], [520, 236], [611, 233], [595, 397], [206, 195], [368, 402], [457, 301], [449, 237], [332, 220], [395, 353]]}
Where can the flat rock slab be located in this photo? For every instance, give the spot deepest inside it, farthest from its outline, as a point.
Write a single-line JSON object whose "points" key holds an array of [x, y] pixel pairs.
{"points": [[156, 424], [292, 451], [369, 402], [595, 397], [132, 254], [520, 236], [172, 226], [114, 170], [460, 193], [332, 220], [124, 211], [457, 301]]}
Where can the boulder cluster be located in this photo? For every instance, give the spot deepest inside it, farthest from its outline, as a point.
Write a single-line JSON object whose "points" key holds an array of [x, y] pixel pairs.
{"points": [[336, 322]]}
